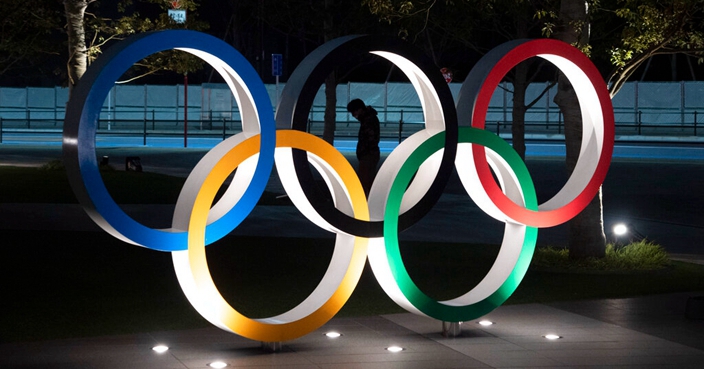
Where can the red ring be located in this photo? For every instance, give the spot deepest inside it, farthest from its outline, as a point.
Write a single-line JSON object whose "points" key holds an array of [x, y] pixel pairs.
{"points": [[543, 218]]}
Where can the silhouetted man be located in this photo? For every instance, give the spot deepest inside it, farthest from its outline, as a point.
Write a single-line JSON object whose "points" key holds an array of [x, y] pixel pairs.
{"points": [[367, 143]]}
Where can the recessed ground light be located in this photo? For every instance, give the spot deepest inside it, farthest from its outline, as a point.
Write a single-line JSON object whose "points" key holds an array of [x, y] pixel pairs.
{"points": [[620, 229], [217, 364], [552, 336], [486, 323], [394, 349], [332, 334], [160, 349]]}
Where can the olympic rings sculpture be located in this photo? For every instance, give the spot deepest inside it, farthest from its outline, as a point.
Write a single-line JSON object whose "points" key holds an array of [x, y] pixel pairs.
{"points": [[408, 184]]}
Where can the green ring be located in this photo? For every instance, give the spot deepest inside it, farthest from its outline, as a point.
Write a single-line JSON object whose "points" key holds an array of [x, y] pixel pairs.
{"points": [[415, 296]]}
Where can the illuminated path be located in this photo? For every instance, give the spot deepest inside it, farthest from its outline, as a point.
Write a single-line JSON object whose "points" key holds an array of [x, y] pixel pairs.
{"points": [[647, 148]]}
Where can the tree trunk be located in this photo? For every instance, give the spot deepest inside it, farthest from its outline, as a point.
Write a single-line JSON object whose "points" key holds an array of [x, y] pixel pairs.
{"points": [[330, 106], [520, 85], [586, 230], [77, 53], [518, 113], [330, 115]]}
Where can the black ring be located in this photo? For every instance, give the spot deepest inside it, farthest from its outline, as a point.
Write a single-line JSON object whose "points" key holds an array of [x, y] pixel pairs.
{"points": [[297, 99]]}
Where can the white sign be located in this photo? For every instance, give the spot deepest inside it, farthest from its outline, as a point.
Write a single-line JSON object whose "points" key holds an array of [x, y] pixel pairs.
{"points": [[178, 15]]}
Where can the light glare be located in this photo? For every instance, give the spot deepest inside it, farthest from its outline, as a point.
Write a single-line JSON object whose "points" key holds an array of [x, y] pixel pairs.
{"points": [[486, 323], [217, 364], [620, 229], [394, 349], [160, 349], [552, 336], [333, 334]]}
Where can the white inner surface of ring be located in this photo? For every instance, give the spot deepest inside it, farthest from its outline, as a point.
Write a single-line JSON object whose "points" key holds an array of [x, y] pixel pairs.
{"points": [[434, 123], [250, 126], [514, 234], [590, 150], [208, 301], [592, 133], [344, 243], [378, 196], [202, 299]]}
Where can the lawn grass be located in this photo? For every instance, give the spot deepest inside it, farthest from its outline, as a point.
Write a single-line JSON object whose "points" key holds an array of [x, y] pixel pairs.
{"points": [[37, 185], [49, 185], [60, 284], [71, 284], [641, 255]]}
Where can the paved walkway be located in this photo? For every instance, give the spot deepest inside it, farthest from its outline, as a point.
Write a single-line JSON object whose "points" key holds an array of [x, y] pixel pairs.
{"points": [[641, 332], [648, 332]]}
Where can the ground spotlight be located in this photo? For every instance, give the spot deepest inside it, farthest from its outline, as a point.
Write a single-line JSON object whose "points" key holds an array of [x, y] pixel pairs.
{"points": [[624, 233], [620, 229], [217, 364], [394, 349], [486, 323], [160, 349], [552, 337], [333, 334]]}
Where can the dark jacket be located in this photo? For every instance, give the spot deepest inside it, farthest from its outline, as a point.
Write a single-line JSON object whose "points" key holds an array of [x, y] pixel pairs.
{"points": [[368, 143]]}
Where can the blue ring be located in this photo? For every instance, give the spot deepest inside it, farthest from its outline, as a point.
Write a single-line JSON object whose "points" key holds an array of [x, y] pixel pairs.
{"points": [[82, 115]]}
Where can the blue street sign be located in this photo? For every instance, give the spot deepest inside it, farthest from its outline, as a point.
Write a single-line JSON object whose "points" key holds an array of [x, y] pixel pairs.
{"points": [[277, 65]]}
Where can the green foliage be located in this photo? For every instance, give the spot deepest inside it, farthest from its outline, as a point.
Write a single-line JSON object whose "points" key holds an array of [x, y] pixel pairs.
{"points": [[549, 18], [49, 184], [26, 27], [456, 27], [308, 21], [638, 256], [624, 33], [33, 35], [648, 28], [389, 10], [100, 31], [56, 164]]}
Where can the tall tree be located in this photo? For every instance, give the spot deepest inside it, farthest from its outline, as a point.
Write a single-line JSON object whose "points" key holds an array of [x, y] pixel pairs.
{"points": [[586, 230], [649, 28], [27, 30], [444, 26], [314, 23], [444, 29], [75, 11], [630, 32], [330, 115], [519, 21], [80, 25]]}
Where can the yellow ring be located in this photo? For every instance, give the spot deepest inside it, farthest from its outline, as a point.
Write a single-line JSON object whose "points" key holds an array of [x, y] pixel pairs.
{"points": [[220, 310]]}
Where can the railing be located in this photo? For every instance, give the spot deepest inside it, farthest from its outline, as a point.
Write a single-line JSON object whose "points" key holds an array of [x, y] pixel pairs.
{"points": [[680, 124], [397, 126]]}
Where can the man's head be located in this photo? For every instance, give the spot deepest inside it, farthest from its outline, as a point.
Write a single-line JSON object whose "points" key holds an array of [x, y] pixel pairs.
{"points": [[355, 107]]}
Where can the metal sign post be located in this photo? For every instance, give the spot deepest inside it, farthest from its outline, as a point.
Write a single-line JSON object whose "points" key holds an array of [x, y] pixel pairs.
{"points": [[277, 68], [185, 109]]}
